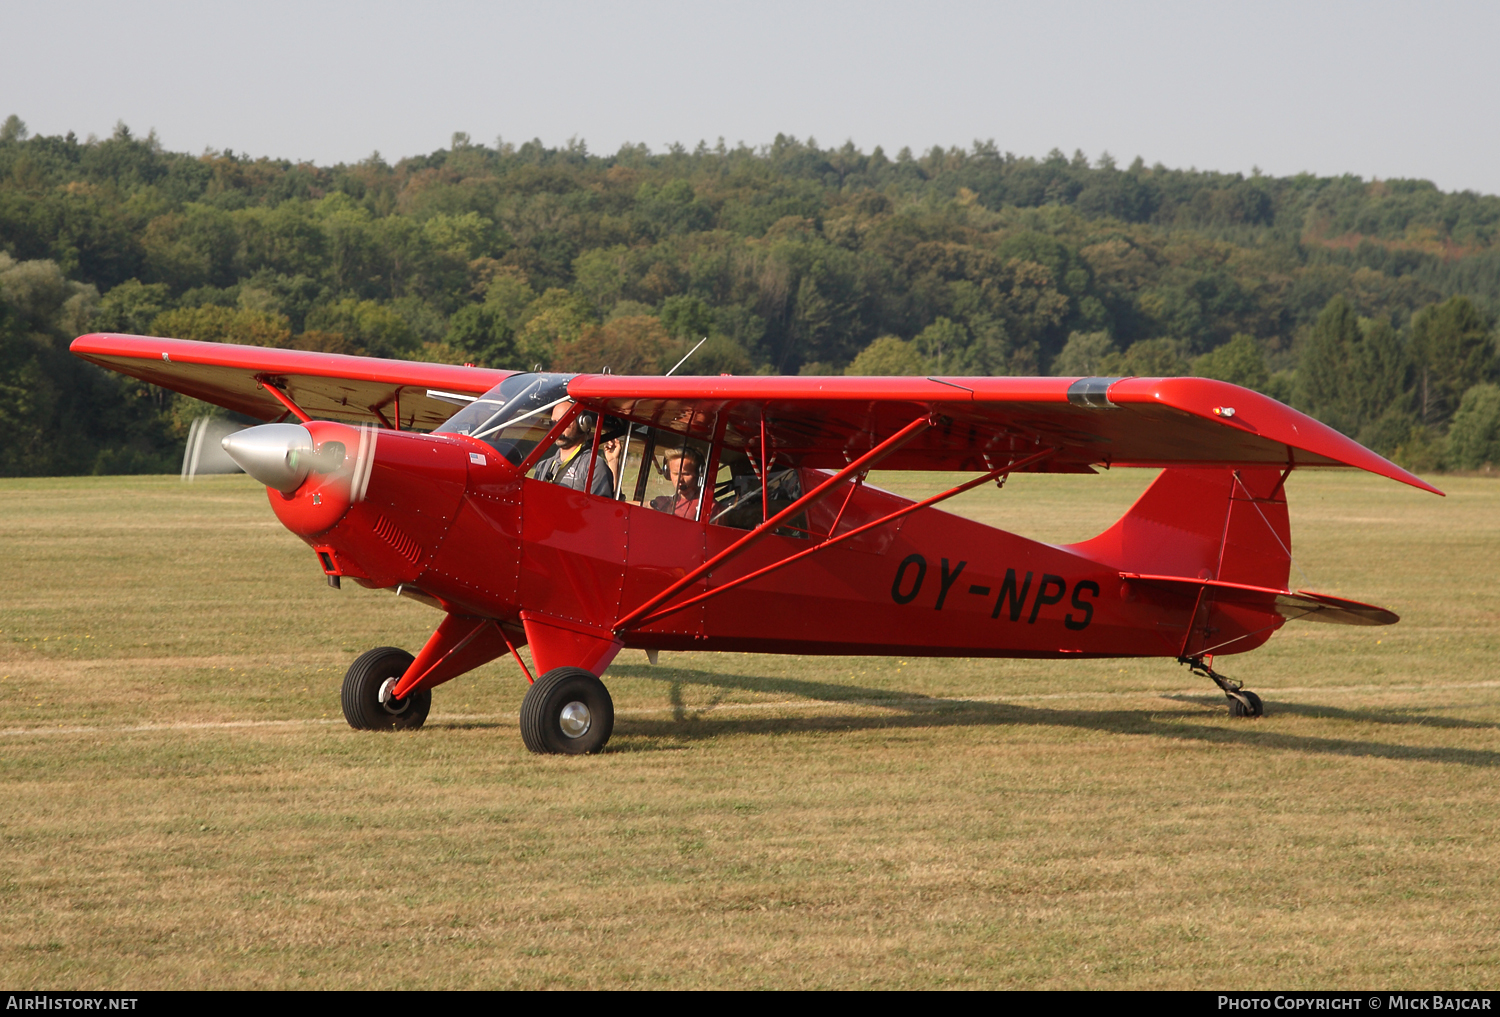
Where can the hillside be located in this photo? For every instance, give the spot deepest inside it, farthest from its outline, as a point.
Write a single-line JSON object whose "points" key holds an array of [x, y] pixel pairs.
{"points": [[1368, 303]]}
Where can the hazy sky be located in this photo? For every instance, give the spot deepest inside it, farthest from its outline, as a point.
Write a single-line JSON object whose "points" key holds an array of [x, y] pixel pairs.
{"points": [[1375, 89]]}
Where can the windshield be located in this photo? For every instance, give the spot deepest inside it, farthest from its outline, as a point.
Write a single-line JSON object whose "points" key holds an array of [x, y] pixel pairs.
{"points": [[514, 415]]}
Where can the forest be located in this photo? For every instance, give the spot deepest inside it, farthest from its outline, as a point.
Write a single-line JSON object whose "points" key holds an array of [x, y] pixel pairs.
{"points": [[1371, 305]]}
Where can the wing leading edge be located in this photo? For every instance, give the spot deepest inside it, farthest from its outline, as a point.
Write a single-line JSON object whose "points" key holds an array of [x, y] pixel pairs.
{"points": [[1155, 422], [325, 385]]}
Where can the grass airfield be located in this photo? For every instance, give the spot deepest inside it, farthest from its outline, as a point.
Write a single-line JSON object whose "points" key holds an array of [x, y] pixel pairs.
{"points": [[182, 805]]}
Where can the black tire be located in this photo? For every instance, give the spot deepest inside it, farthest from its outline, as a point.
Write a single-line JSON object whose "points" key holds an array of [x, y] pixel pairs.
{"points": [[1237, 708], [561, 701], [361, 696]]}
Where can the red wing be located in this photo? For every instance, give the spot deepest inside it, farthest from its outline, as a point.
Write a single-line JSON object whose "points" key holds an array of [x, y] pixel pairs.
{"points": [[825, 422], [325, 385]]}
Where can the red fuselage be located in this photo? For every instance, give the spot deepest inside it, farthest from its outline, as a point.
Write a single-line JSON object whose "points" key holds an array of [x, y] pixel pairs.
{"points": [[487, 542]]}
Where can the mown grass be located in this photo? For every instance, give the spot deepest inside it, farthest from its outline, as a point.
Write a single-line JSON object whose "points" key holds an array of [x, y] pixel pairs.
{"points": [[182, 806]]}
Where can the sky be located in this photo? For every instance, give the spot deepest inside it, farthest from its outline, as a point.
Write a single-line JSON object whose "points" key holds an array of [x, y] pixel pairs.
{"points": [[1375, 89]]}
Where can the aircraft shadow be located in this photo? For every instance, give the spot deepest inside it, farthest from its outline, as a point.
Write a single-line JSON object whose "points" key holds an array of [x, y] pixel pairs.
{"points": [[908, 711], [1380, 717]]}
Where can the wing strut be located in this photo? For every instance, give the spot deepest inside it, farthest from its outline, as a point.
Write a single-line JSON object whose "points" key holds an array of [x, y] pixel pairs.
{"points": [[283, 399], [830, 541], [864, 462]]}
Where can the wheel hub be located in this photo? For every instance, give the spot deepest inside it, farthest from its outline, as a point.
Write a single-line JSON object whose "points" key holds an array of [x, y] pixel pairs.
{"points": [[575, 720], [392, 705]]}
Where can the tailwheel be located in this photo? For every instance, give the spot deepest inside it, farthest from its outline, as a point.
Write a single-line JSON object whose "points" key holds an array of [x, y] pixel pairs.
{"points": [[367, 700], [1241, 702], [1245, 704], [567, 711]]}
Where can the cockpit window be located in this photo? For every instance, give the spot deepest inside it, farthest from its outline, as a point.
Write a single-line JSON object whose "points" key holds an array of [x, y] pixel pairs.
{"points": [[513, 416]]}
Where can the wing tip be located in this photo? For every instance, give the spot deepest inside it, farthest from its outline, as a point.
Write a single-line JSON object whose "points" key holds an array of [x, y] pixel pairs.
{"points": [[1207, 398]]}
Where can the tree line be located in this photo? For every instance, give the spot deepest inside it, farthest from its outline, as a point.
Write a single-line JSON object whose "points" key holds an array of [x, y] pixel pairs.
{"points": [[1369, 304]]}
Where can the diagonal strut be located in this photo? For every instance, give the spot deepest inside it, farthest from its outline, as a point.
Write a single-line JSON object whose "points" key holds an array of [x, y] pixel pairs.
{"points": [[864, 462], [830, 541]]}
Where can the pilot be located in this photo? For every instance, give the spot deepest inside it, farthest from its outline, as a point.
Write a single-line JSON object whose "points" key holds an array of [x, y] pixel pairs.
{"points": [[684, 467], [568, 462]]}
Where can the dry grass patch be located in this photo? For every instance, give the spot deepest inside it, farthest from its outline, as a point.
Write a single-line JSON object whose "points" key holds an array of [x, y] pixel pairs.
{"points": [[182, 806]]}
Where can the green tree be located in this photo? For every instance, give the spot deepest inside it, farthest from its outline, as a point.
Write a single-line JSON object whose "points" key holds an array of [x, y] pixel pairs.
{"points": [[372, 327], [214, 324], [132, 306], [686, 317], [944, 345], [601, 275], [1474, 438], [720, 355], [553, 320], [1324, 370], [887, 356], [1452, 351], [623, 346], [287, 239], [1379, 371], [199, 246], [1392, 430], [484, 336], [1084, 355], [507, 293], [1240, 361], [1149, 358]]}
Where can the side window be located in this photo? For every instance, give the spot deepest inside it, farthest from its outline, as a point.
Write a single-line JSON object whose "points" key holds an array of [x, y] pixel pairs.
{"points": [[663, 471], [621, 450], [738, 500], [785, 487], [613, 450]]}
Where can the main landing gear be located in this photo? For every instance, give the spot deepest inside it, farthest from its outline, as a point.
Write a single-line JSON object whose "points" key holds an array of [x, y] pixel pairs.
{"points": [[567, 711], [367, 700], [1241, 702]]}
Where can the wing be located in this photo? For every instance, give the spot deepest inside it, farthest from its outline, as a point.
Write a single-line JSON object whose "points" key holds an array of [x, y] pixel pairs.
{"points": [[324, 385], [984, 422]]}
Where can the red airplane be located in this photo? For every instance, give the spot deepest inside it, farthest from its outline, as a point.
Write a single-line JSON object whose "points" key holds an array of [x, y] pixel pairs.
{"points": [[580, 514]]}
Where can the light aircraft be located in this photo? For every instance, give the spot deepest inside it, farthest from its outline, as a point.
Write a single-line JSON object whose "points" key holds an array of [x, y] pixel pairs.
{"points": [[732, 513]]}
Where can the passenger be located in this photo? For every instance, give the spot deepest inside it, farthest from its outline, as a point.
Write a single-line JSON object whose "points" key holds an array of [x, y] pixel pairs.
{"points": [[684, 467], [568, 462]]}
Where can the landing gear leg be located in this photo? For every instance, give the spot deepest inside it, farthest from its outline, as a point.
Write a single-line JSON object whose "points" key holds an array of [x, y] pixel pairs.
{"points": [[1241, 702]]}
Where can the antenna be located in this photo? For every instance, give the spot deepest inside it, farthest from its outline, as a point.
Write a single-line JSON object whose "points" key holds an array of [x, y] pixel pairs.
{"points": [[684, 359]]}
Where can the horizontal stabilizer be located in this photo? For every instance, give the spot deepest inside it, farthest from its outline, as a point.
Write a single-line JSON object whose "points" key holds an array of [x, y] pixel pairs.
{"points": [[1298, 605]]}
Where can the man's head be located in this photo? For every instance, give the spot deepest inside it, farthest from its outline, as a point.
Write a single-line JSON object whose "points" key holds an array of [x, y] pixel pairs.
{"points": [[577, 429], [684, 466]]}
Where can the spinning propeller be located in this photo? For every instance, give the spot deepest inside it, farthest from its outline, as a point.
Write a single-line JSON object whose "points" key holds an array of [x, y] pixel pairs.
{"points": [[204, 453]]}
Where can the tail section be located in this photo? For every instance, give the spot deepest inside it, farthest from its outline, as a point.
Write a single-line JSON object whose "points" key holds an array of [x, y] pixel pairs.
{"points": [[1221, 525], [1212, 544]]}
